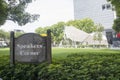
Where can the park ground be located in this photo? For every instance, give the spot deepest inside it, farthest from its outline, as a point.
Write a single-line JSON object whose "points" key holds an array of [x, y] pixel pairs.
{"points": [[64, 52], [67, 64]]}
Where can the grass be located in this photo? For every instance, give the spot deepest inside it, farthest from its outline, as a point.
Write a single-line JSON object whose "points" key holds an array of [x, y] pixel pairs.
{"points": [[59, 53], [4, 51], [63, 52]]}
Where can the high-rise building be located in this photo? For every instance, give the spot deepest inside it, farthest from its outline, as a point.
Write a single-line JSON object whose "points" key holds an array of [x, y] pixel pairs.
{"points": [[100, 11]]}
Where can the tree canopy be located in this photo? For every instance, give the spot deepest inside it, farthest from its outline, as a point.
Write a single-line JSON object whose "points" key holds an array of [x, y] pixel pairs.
{"points": [[57, 29], [116, 25], [14, 10], [85, 24], [4, 35], [98, 32], [3, 12]]}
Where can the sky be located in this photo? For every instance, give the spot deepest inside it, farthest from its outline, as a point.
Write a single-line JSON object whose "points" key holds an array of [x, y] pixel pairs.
{"points": [[50, 11]]}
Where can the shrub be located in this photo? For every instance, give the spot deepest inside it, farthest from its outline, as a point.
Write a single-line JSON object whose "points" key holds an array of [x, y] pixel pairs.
{"points": [[74, 67]]}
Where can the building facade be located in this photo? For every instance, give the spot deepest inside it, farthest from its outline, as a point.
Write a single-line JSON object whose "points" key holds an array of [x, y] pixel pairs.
{"points": [[100, 11]]}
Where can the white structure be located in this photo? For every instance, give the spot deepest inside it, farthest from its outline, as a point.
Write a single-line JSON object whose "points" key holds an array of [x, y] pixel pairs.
{"points": [[90, 40], [77, 37], [75, 34], [3, 44], [100, 11]]}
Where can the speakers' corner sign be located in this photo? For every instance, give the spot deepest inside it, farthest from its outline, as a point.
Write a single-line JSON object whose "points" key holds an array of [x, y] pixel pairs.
{"points": [[30, 48]]}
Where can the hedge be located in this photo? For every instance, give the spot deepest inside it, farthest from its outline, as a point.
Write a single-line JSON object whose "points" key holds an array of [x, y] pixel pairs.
{"points": [[74, 67]]}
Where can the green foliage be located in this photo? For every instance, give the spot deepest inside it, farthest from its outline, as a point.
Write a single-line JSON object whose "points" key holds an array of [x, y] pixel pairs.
{"points": [[3, 12], [18, 34], [74, 67], [99, 28], [57, 34], [116, 25], [82, 64], [98, 33], [56, 31], [41, 30], [4, 35], [86, 25], [15, 10]]}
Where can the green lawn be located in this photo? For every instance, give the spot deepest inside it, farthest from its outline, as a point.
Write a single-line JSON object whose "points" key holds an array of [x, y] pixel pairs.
{"points": [[4, 51], [63, 52]]}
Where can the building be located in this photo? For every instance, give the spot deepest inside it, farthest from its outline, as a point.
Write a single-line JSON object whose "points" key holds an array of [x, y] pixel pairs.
{"points": [[74, 37], [100, 11]]}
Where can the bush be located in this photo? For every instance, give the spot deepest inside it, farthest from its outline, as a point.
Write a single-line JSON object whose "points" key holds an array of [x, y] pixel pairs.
{"points": [[74, 67]]}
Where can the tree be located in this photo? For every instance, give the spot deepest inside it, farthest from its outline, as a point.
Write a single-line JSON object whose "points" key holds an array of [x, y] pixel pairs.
{"points": [[116, 25], [98, 34], [15, 10], [86, 25], [3, 12], [58, 28], [56, 31], [42, 30], [4, 35], [17, 34]]}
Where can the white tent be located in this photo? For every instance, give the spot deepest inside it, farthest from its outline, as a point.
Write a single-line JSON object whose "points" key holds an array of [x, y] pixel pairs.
{"points": [[90, 40], [75, 34]]}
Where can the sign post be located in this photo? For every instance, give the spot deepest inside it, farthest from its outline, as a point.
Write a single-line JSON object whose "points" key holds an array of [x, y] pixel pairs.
{"points": [[49, 56], [30, 48], [12, 53]]}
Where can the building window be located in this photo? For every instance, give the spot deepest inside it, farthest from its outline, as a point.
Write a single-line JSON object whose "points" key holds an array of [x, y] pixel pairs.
{"points": [[103, 7], [106, 6]]}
